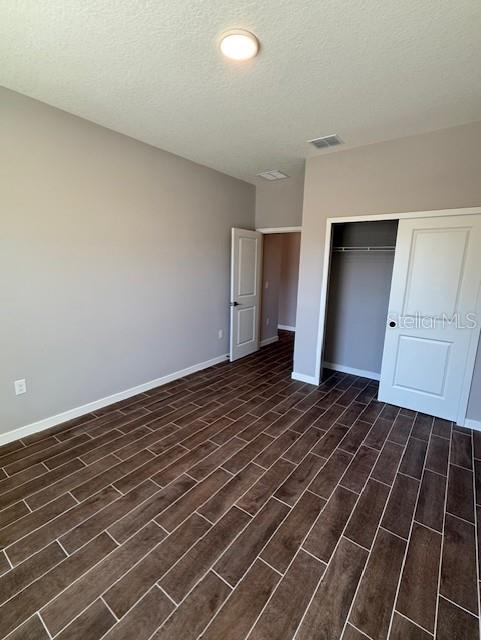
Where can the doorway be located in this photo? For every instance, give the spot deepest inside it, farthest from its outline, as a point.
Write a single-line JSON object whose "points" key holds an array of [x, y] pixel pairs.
{"points": [[280, 278], [264, 283]]}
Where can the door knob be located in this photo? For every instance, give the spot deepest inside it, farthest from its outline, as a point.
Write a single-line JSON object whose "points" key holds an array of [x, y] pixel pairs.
{"points": [[234, 304], [392, 324]]}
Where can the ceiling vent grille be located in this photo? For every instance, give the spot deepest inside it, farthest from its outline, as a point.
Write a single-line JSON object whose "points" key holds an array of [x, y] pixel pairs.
{"points": [[326, 141], [273, 174]]}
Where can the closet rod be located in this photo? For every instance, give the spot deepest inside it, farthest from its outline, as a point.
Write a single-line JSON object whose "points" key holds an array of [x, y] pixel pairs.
{"points": [[346, 249]]}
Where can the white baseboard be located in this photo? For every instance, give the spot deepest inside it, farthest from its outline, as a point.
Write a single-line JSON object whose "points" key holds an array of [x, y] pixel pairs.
{"points": [[267, 341], [473, 424], [286, 327], [301, 377], [46, 423], [355, 372]]}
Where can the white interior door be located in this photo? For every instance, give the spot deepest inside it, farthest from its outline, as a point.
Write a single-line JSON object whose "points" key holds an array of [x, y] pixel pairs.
{"points": [[246, 267], [432, 328]]}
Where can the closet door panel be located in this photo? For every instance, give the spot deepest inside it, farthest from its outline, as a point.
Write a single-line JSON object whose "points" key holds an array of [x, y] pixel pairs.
{"points": [[432, 327], [435, 271]]}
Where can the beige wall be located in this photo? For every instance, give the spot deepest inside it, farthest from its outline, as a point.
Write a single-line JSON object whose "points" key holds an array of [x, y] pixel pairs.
{"points": [[271, 276], [279, 203], [438, 170], [291, 248], [114, 260], [358, 302], [474, 410]]}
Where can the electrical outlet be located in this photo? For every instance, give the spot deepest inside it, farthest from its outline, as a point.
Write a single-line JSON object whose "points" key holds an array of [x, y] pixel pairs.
{"points": [[267, 284], [220, 334], [20, 387], [268, 321]]}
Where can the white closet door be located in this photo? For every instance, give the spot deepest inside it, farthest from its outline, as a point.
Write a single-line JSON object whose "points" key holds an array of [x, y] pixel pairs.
{"points": [[432, 329], [246, 268]]}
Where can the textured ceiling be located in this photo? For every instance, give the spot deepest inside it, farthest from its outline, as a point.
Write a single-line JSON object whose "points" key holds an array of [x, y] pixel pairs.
{"points": [[368, 70]]}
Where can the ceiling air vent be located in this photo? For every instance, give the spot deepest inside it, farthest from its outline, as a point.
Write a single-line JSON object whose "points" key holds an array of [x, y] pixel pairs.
{"points": [[273, 174], [326, 141]]}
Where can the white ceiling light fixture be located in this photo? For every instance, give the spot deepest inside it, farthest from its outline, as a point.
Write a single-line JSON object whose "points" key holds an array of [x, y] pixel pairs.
{"points": [[239, 45]]}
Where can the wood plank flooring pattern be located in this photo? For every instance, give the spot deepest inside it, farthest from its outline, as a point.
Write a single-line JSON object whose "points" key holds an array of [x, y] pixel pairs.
{"points": [[237, 503]]}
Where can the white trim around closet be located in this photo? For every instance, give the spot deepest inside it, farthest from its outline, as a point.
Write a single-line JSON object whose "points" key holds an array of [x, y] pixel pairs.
{"points": [[270, 340], [473, 424], [301, 377], [352, 370]]}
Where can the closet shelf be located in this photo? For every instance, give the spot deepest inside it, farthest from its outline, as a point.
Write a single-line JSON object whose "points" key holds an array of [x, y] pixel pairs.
{"points": [[348, 249]]}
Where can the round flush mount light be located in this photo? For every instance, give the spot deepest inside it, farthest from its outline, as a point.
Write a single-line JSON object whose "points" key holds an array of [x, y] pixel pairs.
{"points": [[239, 45]]}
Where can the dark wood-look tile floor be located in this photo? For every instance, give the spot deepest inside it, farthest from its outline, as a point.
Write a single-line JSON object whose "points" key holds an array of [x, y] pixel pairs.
{"points": [[237, 503]]}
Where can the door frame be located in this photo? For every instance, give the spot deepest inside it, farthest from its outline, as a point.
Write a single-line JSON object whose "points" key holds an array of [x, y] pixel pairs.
{"points": [[326, 267], [267, 230]]}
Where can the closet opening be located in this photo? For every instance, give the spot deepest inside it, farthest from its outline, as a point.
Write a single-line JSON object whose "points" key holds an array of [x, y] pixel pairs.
{"points": [[280, 278], [361, 268]]}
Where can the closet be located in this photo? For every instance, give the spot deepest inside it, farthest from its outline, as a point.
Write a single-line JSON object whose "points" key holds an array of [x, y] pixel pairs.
{"points": [[362, 257], [403, 302]]}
